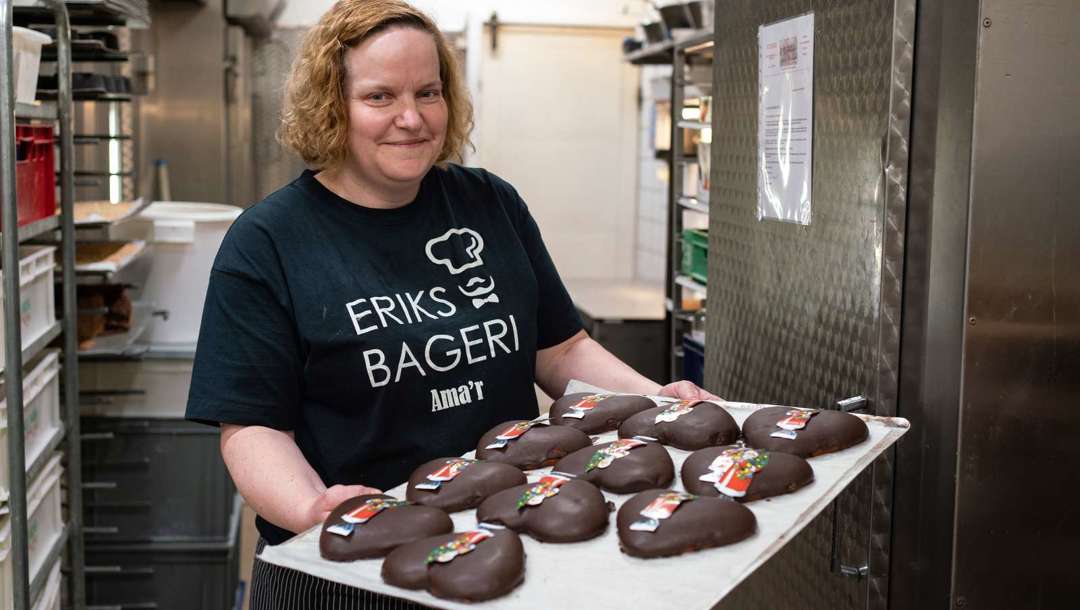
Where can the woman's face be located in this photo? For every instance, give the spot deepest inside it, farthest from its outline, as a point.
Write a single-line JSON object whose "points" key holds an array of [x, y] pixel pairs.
{"points": [[397, 114]]}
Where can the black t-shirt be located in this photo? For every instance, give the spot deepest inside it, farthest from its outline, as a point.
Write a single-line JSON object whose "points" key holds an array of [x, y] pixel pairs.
{"points": [[383, 338]]}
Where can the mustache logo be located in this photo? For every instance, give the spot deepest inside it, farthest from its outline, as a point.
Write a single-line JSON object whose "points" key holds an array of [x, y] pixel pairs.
{"points": [[482, 294]]}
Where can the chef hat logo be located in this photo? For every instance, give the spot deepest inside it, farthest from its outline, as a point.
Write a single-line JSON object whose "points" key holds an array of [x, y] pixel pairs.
{"points": [[457, 250]]}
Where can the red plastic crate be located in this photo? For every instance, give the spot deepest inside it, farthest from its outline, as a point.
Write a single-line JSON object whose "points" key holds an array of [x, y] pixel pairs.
{"points": [[35, 172]]}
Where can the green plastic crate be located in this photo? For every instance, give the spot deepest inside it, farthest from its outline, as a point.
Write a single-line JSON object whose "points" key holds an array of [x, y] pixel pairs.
{"points": [[695, 254]]}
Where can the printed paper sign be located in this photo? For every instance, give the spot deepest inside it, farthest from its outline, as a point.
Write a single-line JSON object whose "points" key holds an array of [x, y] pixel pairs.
{"points": [[786, 119]]}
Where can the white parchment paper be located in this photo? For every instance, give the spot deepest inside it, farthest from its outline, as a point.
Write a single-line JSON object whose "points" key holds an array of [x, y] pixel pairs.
{"points": [[557, 575]]}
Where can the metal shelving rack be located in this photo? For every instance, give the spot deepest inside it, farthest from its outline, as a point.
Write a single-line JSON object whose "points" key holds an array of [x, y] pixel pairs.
{"points": [[680, 54], [25, 589]]}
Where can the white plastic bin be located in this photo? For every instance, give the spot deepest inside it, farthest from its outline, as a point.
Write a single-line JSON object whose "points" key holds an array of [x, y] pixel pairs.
{"points": [[27, 61], [44, 527], [35, 294], [41, 412], [45, 524], [7, 588], [186, 238], [163, 385]]}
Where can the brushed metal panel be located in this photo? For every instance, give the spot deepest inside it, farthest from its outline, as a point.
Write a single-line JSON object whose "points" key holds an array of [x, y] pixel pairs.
{"points": [[239, 120], [272, 60], [184, 119], [1017, 471], [933, 311], [810, 315]]}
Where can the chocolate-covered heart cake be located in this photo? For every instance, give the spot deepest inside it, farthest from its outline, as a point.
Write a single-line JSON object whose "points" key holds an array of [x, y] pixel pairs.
{"points": [[596, 413], [661, 522], [554, 509], [803, 432], [623, 466], [471, 566], [372, 525], [744, 474], [454, 484], [686, 424], [528, 444]]}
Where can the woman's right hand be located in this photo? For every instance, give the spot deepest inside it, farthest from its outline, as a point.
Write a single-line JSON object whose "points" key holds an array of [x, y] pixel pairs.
{"points": [[321, 505]]}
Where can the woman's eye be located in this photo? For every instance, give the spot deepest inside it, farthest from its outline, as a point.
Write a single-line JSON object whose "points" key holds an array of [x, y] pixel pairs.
{"points": [[378, 98], [430, 94]]}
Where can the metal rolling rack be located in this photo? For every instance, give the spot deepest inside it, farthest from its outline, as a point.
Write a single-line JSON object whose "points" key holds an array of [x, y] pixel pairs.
{"points": [[680, 54], [25, 589]]}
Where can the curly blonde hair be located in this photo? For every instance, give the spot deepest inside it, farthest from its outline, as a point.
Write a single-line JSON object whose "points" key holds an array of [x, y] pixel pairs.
{"points": [[315, 120]]}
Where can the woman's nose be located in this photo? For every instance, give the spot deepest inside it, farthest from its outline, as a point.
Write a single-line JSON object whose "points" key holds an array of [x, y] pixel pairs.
{"points": [[409, 117]]}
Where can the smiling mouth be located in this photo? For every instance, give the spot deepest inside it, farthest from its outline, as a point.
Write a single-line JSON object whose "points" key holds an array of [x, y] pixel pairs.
{"points": [[407, 143]]}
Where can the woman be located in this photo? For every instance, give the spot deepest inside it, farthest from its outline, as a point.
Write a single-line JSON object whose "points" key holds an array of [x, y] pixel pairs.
{"points": [[385, 309]]}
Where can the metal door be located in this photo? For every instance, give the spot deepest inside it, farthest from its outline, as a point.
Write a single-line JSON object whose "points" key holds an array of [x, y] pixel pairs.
{"points": [[1017, 470], [809, 315]]}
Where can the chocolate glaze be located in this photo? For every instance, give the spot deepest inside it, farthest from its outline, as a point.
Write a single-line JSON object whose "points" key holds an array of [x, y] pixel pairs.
{"points": [[494, 568], [826, 432], [697, 524], [645, 467], [390, 528], [468, 489], [707, 425], [783, 474], [606, 416], [578, 512], [540, 446]]}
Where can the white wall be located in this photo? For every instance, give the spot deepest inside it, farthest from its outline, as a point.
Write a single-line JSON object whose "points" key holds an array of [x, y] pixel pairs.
{"points": [[452, 15]]}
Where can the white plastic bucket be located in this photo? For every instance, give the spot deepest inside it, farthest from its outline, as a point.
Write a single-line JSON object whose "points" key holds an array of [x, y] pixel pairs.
{"points": [[186, 238], [27, 60]]}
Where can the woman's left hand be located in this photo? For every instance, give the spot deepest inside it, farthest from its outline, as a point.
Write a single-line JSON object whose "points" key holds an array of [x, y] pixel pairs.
{"points": [[687, 390]]}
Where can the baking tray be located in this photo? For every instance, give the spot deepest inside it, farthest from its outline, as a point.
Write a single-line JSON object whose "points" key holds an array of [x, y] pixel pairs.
{"points": [[557, 575]]}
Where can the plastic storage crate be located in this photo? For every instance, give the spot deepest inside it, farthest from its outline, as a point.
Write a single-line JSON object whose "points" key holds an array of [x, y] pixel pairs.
{"points": [[166, 576], [154, 480], [26, 44], [35, 294], [160, 387], [41, 412], [35, 172], [695, 254], [44, 526]]}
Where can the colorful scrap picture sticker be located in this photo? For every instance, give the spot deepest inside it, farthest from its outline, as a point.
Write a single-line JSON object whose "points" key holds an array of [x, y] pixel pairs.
{"points": [[662, 507], [617, 449], [586, 404], [446, 472], [675, 411], [511, 433], [733, 470], [461, 544], [793, 421], [362, 514], [547, 486]]}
